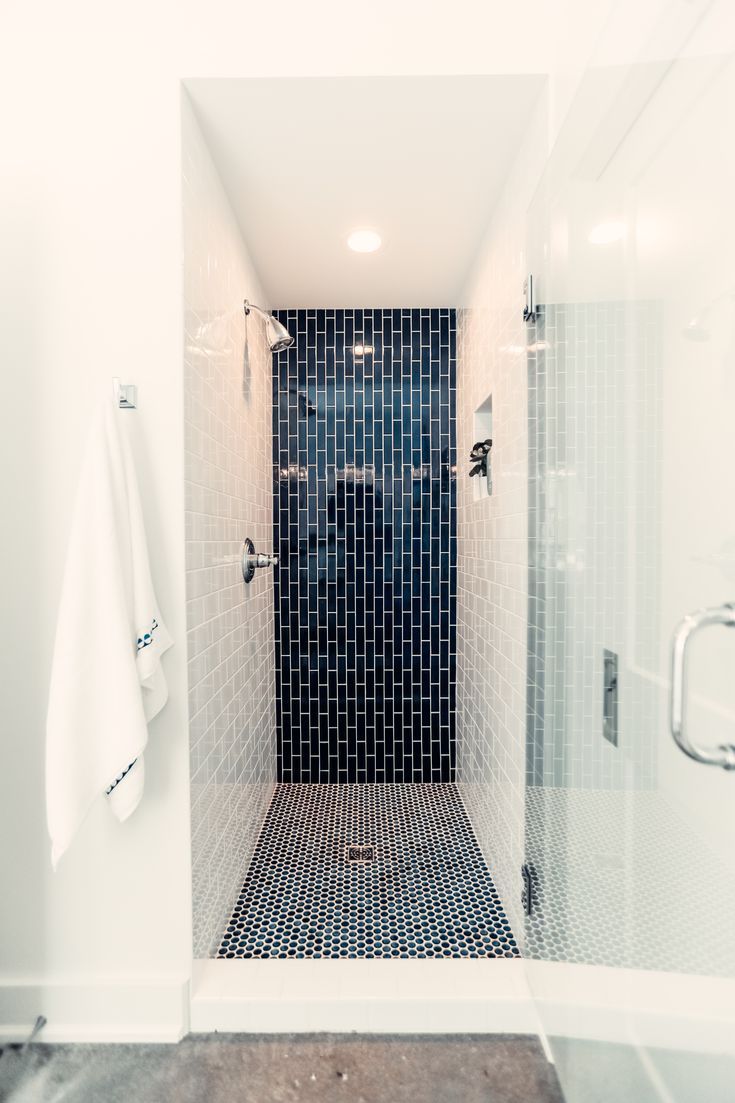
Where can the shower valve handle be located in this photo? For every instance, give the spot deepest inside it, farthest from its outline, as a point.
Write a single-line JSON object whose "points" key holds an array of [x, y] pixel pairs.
{"points": [[252, 560], [262, 560]]}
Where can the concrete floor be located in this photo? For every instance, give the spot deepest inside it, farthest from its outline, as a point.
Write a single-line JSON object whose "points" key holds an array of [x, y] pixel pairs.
{"points": [[241, 1068]]}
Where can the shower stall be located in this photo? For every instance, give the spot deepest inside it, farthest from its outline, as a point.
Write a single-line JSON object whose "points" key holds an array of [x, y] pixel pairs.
{"points": [[443, 721], [365, 850]]}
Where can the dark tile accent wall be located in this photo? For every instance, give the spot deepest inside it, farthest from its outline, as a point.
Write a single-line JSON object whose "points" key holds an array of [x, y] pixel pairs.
{"points": [[365, 527]]}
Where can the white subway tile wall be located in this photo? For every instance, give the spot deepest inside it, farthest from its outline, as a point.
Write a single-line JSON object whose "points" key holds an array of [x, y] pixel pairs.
{"points": [[229, 496], [594, 541], [492, 552]]}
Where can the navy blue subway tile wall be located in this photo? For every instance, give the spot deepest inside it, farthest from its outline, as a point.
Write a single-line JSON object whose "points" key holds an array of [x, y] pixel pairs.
{"points": [[365, 528]]}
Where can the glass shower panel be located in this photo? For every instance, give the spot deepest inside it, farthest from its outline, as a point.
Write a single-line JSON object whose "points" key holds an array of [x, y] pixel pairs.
{"points": [[630, 843]]}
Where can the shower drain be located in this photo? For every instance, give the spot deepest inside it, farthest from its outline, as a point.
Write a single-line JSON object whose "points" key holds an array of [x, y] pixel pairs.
{"points": [[360, 853]]}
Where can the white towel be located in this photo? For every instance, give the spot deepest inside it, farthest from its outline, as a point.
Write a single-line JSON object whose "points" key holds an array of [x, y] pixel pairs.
{"points": [[106, 679]]}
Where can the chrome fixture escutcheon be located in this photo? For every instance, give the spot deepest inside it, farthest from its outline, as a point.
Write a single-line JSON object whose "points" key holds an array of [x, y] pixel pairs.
{"points": [[252, 560], [724, 755]]}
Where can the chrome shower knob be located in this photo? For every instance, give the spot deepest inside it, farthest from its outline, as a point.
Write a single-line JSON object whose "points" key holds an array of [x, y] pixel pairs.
{"points": [[252, 560]]}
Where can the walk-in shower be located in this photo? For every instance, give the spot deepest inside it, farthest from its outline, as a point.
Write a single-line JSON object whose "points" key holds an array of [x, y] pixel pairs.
{"points": [[366, 849], [323, 442], [440, 726], [327, 818], [351, 836]]}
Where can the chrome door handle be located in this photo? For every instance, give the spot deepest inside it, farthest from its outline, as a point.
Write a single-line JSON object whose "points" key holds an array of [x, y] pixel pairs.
{"points": [[724, 755], [251, 560]]}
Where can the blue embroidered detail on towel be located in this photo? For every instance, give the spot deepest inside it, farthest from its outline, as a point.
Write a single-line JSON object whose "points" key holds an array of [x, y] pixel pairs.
{"points": [[143, 641], [119, 777], [147, 638]]}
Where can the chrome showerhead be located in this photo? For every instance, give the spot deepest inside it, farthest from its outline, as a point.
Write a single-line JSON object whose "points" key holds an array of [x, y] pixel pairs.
{"points": [[277, 335]]}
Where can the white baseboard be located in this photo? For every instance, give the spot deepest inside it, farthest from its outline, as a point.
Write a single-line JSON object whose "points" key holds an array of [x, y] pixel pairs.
{"points": [[103, 1011], [378, 997], [662, 1010]]}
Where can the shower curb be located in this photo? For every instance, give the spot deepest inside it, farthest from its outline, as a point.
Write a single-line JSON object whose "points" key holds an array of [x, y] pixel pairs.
{"points": [[483, 996]]}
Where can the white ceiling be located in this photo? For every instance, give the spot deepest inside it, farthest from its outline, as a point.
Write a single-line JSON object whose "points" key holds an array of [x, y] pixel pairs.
{"points": [[420, 159]]}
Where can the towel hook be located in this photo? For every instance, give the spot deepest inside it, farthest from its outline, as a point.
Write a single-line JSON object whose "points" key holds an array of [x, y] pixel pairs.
{"points": [[125, 394]]}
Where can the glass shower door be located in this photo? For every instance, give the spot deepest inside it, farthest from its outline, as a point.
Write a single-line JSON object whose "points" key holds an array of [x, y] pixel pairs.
{"points": [[630, 841]]}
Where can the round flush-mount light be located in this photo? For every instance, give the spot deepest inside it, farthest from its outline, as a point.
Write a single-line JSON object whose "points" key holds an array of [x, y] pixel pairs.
{"points": [[364, 241]]}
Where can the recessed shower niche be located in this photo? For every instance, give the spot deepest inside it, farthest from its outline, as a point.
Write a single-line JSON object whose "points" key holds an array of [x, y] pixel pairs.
{"points": [[481, 456]]}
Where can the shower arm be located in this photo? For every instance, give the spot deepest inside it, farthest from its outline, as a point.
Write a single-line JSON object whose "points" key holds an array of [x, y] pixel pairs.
{"points": [[248, 306]]}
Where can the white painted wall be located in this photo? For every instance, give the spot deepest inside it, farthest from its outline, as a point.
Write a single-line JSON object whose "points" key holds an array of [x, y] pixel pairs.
{"points": [[91, 288]]}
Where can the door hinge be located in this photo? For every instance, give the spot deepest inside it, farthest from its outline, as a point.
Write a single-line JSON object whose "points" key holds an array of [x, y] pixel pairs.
{"points": [[528, 893]]}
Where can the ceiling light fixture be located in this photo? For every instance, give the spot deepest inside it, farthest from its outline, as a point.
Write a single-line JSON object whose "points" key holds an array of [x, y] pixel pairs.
{"points": [[364, 241], [605, 233]]}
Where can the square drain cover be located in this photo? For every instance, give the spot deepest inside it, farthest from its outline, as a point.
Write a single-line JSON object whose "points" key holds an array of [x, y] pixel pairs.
{"points": [[360, 853]]}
